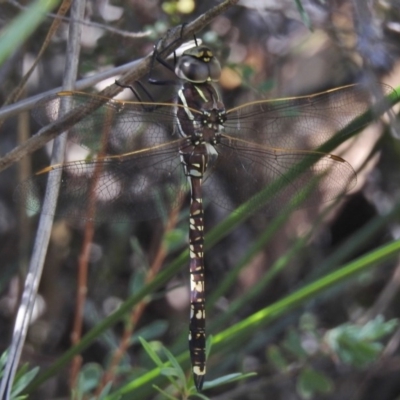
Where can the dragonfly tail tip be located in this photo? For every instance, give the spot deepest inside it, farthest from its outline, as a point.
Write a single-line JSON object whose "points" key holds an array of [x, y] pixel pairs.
{"points": [[198, 381]]}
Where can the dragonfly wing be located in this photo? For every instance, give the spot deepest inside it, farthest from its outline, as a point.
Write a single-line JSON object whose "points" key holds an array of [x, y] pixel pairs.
{"points": [[273, 177], [136, 186], [111, 126], [301, 122]]}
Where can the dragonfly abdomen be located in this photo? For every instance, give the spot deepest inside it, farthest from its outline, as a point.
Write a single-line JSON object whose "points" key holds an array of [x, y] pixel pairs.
{"points": [[195, 159], [197, 334]]}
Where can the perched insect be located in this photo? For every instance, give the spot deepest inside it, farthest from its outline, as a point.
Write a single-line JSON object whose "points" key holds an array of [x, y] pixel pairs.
{"points": [[176, 147]]}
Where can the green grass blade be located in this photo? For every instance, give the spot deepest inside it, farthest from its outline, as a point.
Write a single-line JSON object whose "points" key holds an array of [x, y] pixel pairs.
{"points": [[15, 34], [270, 313]]}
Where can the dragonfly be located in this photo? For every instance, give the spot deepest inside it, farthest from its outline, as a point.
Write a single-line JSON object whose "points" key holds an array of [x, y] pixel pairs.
{"points": [[145, 157]]}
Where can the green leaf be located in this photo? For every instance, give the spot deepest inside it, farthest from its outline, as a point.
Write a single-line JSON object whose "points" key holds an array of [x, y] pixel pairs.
{"points": [[311, 382], [163, 392], [3, 361], [151, 331], [275, 357], [89, 377], [223, 380], [104, 393], [198, 395], [304, 15], [174, 239], [22, 380], [358, 345], [169, 371], [137, 281], [22, 370], [292, 343], [152, 354], [357, 353], [377, 328], [209, 343], [308, 322], [266, 86], [175, 364]]}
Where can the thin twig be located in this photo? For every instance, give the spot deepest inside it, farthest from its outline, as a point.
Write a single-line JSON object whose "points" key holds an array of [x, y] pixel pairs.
{"points": [[120, 32], [83, 266], [138, 311], [45, 224], [18, 90], [28, 103]]}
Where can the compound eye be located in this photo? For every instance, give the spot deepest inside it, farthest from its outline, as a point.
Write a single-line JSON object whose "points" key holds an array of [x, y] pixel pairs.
{"points": [[192, 69], [214, 70], [197, 70]]}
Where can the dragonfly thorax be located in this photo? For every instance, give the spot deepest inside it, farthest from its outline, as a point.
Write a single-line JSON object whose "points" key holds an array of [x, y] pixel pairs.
{"points": [[212, 125], [214, 117], [202, 115]]}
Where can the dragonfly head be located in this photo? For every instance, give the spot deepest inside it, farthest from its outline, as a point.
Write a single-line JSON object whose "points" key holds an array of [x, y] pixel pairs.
{"points": [[198, 65]]}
